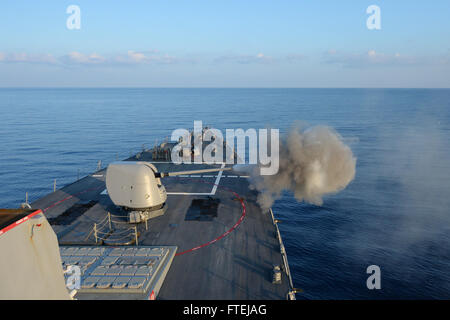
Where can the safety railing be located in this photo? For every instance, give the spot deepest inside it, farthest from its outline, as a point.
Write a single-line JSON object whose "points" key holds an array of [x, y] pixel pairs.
{"points": [[291, 293], [108, 231]]}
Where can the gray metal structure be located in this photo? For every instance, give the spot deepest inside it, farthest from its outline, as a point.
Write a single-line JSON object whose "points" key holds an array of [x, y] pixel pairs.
{"points": [[119, 272], [226, 246]]}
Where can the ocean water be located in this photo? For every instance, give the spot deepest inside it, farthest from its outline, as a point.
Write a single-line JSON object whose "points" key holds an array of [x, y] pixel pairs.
{"points": [[395, 214]]}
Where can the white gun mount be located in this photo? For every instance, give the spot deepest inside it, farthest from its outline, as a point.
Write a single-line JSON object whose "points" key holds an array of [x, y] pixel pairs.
{"points": [[136, 186]]}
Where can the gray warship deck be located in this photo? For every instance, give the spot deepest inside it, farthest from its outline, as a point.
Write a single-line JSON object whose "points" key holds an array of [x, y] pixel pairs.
{"points": [[226, 246]]}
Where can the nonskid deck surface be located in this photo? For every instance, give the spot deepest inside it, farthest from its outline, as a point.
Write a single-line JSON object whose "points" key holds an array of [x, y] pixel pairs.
{"points": [[226, 246]]}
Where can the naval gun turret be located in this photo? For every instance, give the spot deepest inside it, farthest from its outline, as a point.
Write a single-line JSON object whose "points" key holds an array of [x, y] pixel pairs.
{"points": [[136, 187]]}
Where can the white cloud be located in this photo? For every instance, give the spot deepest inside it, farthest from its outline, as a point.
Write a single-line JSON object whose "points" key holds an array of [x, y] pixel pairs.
{"points": [[27, 58], [369, 58], [136, 56], [245, 59], [259, 58], [294, 57], [151, 56], [80, 58], [132, 57]]}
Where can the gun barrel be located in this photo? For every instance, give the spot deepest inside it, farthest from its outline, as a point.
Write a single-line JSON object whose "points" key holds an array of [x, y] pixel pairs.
{"points": [[178, 173]]}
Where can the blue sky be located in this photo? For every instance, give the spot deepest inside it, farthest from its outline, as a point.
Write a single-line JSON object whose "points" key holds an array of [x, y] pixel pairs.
{"points": [[220, 43]]}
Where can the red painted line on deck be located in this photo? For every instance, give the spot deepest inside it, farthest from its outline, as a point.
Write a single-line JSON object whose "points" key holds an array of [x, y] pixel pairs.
{"points": [[70, 197], [192, 249], [227, 232]]}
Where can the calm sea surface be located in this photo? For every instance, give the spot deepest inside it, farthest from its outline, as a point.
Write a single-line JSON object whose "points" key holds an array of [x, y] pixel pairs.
{"points": [[395, 214]]}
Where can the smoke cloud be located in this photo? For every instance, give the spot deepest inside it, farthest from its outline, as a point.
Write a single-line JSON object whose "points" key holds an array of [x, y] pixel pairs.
{"points": [[313, 162]]}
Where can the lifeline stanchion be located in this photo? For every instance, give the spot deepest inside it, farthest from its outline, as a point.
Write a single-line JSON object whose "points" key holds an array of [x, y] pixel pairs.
{"points": [[109, 220], [95, 232], [136, 235]]}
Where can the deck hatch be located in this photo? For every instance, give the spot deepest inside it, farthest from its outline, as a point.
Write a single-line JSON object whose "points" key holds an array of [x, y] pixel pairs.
{"points": [[203, 209]]}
